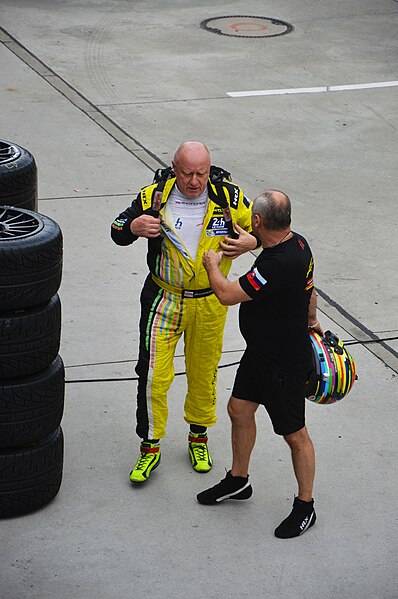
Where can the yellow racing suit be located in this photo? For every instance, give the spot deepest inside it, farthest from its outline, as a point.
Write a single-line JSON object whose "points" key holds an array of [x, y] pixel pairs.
{"points": [[176, 300]]}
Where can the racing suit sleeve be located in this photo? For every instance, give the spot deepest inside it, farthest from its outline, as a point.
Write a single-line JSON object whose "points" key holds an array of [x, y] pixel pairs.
{"points": [[121, 232]]}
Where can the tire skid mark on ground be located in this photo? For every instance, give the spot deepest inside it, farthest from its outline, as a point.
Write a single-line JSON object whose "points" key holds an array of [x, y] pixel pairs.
{"points": [[96, 62]]}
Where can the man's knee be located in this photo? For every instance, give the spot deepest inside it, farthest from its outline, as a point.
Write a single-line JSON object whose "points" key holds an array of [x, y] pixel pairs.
{"points": [[240, 410], [298, 439]]}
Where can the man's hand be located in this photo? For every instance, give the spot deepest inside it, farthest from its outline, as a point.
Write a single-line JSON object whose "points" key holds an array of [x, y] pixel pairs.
{"points": [[145, 226], [212, 259], [232, 248], [228, 293]]}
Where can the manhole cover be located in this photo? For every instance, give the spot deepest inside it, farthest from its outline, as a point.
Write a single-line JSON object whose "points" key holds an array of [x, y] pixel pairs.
{"points": [[246, 26]]}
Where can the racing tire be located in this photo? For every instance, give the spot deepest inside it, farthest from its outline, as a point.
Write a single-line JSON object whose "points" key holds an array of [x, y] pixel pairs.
{"points": [[30, 477], [31, 252], [31, 407], [29, 339], [18, 176]]}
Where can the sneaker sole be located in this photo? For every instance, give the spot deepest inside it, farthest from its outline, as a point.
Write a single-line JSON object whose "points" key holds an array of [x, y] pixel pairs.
{"points": [[204, 470], [245, 493]]}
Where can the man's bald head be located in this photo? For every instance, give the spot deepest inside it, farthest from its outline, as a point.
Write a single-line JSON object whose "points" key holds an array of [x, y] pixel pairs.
{"points": [[274, 209], [191, 165], [192, 149]]}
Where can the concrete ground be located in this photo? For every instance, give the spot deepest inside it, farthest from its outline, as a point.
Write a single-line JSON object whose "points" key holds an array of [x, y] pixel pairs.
{"points": [[102, 92]]}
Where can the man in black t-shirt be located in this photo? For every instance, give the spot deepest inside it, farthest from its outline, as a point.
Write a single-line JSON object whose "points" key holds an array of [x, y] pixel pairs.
{"points": [[278, 306]]}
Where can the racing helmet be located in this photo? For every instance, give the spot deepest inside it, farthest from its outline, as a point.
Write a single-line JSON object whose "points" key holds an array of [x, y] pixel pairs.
{"points": [[334, 370]]}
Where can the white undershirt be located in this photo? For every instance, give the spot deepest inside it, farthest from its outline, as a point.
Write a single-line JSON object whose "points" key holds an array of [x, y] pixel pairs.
{"points": [[188, 215]]}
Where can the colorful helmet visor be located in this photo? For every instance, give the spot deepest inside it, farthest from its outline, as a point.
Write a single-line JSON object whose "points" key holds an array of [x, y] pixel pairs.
{"points": [[334, 370]]}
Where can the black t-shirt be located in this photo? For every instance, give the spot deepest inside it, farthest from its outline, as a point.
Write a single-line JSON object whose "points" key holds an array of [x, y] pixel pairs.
{"points": [[275, 324]]}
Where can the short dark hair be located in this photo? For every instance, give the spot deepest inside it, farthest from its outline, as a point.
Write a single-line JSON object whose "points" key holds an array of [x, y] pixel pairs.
{"points": [[274, 208]]}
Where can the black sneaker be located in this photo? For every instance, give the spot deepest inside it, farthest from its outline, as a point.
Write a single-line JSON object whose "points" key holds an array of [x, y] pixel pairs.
{"points": [[231, 487], [300, 519]]}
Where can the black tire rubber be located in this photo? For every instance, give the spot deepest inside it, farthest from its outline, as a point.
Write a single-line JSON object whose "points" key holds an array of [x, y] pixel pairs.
{"points": [[31, 251], [31, 407], [29, 339], [18, 176], [31, 477]]}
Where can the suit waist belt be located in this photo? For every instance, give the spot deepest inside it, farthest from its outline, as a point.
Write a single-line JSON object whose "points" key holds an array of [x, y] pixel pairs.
{"points": [[188, 293]]}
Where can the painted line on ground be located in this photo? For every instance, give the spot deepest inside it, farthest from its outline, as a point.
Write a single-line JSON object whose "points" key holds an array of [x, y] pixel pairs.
{"points": [[312, 90]]}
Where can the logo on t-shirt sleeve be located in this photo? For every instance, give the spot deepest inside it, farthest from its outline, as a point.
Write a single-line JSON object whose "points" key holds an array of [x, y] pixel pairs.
{"points": [[310, 284], [255, 279]]}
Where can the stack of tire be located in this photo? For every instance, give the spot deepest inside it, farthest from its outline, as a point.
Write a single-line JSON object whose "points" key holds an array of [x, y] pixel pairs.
{"points": [[18, 176], [32, 378]]}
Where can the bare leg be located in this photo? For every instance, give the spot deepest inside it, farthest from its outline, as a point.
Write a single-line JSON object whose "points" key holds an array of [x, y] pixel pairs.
{"points": [[242, 414], [303, 457]]}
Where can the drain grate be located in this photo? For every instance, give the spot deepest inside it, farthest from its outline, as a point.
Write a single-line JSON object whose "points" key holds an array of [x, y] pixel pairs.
{"points": [[246, 26]]}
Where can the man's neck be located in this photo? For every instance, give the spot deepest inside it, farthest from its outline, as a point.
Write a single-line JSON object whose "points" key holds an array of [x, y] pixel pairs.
{"points": [[272, 238], [179, 195]]}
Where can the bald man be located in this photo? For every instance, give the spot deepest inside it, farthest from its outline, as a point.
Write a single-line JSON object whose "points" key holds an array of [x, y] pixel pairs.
{"points": [[189, 209], [278, 307]]}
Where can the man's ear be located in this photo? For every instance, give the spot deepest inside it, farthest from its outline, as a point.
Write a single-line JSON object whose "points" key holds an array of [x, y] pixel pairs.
{"points": [[256, 220]]}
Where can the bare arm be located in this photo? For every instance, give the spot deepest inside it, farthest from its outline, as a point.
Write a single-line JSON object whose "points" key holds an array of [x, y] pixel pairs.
{"points": [[232, 248], [228, 292], [313, 323]]}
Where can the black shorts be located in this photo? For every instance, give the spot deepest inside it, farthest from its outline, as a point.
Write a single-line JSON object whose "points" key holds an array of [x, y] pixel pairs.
{"points": [[282, 395]]}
